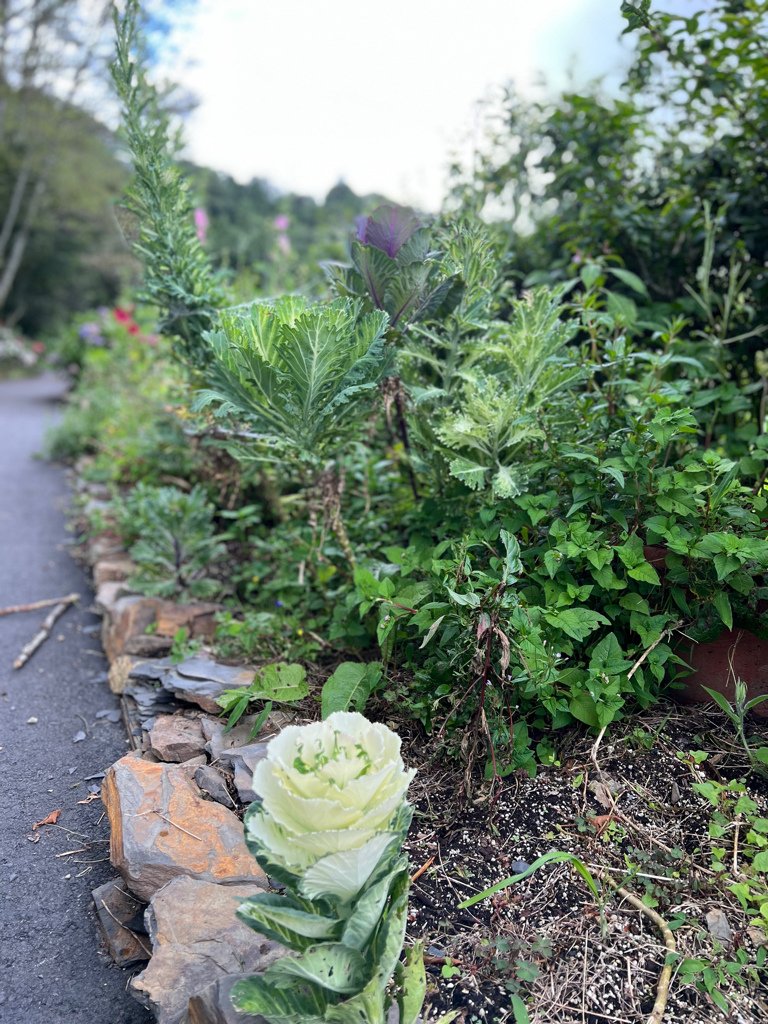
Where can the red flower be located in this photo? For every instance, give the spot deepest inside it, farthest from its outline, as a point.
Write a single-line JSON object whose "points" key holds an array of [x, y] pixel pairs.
{"points": [[122, 316], [133, 328]]}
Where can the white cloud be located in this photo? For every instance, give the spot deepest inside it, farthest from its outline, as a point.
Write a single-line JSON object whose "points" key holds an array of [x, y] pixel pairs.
{"points": [[307, 92]]}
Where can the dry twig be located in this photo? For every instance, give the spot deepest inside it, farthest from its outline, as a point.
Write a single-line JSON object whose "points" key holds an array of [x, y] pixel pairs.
{"points": [[662, 990], [33, 606], [43, 633]]}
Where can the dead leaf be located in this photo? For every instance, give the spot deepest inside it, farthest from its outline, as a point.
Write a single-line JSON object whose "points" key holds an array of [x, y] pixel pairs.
{"points": [[602, 821], [51, 819], [719, 926]]}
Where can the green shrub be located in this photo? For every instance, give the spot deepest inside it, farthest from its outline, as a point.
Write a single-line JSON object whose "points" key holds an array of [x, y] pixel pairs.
{"points": [[172, 541]]}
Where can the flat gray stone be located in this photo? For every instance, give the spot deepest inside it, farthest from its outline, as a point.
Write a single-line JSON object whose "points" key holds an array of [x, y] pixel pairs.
{"points": [[176, 738], [212, 783], [196, 941]]}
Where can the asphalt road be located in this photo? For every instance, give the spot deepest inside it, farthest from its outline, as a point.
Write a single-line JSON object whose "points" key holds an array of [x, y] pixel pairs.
{"points": [[51, 968]]}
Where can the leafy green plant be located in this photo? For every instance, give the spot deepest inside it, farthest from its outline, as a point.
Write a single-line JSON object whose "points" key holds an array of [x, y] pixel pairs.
{"points": [[733, 807], [350, 686], [295, 373], [553, 857], [277, 683], [179, 279], [737, 713], [330, 827], [173, 541]]}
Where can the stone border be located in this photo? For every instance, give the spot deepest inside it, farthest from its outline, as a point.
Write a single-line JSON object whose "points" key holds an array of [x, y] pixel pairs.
{"points": [[175, 802]]}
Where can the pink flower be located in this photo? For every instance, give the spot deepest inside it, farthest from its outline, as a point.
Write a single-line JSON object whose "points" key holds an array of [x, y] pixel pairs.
{"points": [[123, 316], [201, 224], [284, 244], [281, 222]]}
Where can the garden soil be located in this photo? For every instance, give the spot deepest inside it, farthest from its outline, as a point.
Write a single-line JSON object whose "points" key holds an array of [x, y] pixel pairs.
{"points": [[59, 730]]}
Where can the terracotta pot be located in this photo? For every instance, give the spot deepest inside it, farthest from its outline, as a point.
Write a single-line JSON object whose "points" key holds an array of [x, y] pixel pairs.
{"points": [[734, 654]]}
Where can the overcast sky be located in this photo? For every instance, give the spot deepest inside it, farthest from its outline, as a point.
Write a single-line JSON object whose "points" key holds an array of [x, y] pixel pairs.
{"points": [[375, 92]]}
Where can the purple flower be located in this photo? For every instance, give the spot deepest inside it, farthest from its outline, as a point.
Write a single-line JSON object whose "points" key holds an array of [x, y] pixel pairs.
{"points": [[90, 333], [388, 228], [281, 222], [201, 224], [278, 604]]}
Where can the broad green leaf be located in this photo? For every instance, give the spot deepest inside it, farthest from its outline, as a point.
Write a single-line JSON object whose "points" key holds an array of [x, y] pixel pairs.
{"points": [[615, 474], [331, 965], [344, 874], [723, 608], [367, 913], [629, 279], [350, 686], [301, 1004], [607, 657], [470, 600], [280, 682], [583, 708], [552, 561], [412, 985], [577, 623], [470, 473], [273, 915], [644, 573]]}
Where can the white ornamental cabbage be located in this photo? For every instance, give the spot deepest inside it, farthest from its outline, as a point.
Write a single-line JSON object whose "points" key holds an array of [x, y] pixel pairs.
{"points": [[331, 794]]}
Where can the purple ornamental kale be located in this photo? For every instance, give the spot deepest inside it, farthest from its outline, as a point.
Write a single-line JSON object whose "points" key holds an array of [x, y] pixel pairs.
{"points": [[388, 228]]}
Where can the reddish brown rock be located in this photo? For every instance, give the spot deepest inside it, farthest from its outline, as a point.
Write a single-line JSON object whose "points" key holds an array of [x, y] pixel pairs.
{"points": [[176, 738], [162, 828], [117, 910], [199, 618], [126, 618], [197, 940]]}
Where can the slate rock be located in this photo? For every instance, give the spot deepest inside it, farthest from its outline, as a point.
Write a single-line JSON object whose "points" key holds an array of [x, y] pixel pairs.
{"points": [[176, 738], [214, 1005], [244, 761], [220, 739], [161, 828], [116, 568], [201, 680], [117, 909], [211, 782], [197, 940]]}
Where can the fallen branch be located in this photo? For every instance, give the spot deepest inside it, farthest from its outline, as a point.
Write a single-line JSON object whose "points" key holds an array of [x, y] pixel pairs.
{"points": [[662, 989], [43, 633], [33, 606]]}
